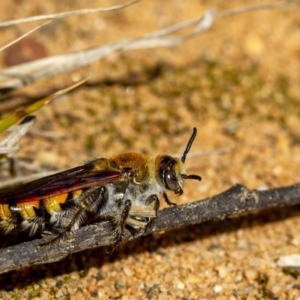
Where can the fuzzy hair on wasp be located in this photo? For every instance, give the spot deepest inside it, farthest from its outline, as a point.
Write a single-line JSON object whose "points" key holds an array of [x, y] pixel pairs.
{"points": [[124, 188]]}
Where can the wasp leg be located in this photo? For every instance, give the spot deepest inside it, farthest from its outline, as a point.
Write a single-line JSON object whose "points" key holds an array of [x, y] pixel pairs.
{"points": [[91, 201], [120, 225], [63, 233], [33, 225], [168, 200], [152, 199], [141, 217], [97, 201]]}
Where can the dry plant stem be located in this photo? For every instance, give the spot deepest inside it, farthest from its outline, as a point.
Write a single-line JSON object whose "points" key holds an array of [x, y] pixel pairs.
{"points": [[23, 36], [21, 75], [235, 201], [65, 14]]}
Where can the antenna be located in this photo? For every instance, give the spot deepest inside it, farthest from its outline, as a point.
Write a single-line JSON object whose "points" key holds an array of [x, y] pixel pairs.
{"points": [[189, 145]]}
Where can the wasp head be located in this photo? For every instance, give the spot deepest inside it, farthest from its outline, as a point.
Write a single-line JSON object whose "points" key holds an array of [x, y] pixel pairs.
{"points": [[169, 169]]}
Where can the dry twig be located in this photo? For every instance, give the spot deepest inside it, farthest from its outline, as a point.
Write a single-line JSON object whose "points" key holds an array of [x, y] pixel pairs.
{"points": [[27, 73], [235, 201], [65, 14], [23, 36]]}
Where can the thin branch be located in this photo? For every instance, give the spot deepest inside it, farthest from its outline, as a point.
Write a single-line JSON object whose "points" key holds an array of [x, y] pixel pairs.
{"points": [[235, 201], [268, 6], [23, 36], [41, 69], [50, 66], [65, 14], [6, 150]]}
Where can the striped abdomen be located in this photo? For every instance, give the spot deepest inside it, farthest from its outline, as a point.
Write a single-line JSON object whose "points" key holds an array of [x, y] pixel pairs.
{"points": [[34, 214]]}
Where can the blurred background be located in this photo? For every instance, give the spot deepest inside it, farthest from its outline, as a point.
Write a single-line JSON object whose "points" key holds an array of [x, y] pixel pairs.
{"points": [[238, 83]]}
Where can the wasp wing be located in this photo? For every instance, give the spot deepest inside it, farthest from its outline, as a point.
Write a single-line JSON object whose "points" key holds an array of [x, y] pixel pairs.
{"points": [[77, 178]]}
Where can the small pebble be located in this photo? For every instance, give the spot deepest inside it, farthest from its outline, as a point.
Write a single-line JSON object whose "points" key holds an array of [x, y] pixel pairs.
{"points": [[275, 289], [180, 285], [250, 274], [163, 296], [128, 271], [217, 289], [222, 272], [255, 262], [292, 260], [59, 294]]}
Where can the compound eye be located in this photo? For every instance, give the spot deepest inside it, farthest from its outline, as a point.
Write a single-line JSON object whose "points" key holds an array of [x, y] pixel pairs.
{"points": [[171, 181]]}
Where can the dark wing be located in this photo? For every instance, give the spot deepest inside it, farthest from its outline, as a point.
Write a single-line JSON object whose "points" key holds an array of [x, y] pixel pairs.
{"points": [[77, 178]]}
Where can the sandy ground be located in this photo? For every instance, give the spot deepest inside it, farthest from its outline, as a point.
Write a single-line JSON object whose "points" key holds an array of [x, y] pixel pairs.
{"points": [[238, 83]]}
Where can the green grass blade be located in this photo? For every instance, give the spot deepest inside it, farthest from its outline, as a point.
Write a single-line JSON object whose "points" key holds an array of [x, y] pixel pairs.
{"points": [[15, 117]]}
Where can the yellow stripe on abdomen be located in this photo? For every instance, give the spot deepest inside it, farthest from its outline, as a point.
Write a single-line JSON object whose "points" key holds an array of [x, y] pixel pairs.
{"points": [[52, 204], [5, 211], [26, 208], [77, 193]]}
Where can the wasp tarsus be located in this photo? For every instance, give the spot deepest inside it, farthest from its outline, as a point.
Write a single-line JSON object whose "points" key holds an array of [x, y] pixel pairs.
{"points": [[168, 200]]}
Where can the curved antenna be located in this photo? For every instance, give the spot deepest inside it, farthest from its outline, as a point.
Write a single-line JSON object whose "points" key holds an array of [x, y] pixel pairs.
{"points": [[189, 145], [196, 177]]}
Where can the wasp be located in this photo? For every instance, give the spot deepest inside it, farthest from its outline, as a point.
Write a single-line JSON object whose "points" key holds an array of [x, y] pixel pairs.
{"points": [[124, 188]]}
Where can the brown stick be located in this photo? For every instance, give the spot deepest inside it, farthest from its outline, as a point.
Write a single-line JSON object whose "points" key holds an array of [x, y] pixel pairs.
{"points": [[237, 200]]}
